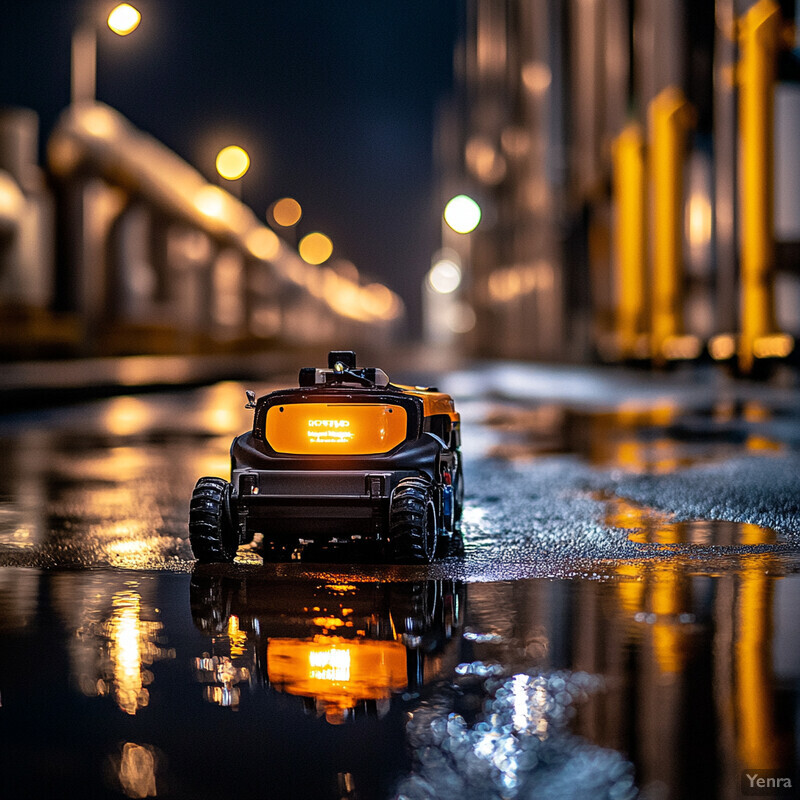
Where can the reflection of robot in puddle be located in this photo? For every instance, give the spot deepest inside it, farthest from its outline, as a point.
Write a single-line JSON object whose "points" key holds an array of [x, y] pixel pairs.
{"points": [[345, 647]]}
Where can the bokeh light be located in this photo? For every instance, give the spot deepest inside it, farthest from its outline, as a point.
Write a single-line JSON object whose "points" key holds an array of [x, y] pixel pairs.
{"points": [[287, 212], [124, 19], [462, 214], [210, 200], [232, 162], [315, 248], [263, 243], [444, 276]]}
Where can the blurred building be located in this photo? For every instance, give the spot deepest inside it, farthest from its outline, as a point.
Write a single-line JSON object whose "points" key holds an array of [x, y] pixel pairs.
{"points": [[636, 164]]}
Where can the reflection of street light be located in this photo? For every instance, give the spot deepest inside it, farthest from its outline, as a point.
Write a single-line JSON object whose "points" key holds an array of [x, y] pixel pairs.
{"points": [[462, 214], [123, 19]]}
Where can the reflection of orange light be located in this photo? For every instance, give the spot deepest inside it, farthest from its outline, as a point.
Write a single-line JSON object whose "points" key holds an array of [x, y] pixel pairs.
{"points": [[668, 590], [631, 586], [328, 622], [237, 637], [137, 770], [306, 428], [754, 677], [338, 672]]}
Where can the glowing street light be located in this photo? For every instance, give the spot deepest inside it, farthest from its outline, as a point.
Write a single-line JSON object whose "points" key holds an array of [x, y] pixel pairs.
{"points": [[462, 214], [315, 248], [124, 19], [286, 212], [444, 276], [232, 162]]}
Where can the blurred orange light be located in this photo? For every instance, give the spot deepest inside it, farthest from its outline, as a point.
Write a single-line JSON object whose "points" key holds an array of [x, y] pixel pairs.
{"points": [[100, 122], [484, 161], [263, 243], [232, 162], [379, 300], [537, 77], [681, 347], [722, 347], [287, 212], [315, 248], [210, 200], [124, 19], [777, 345]]}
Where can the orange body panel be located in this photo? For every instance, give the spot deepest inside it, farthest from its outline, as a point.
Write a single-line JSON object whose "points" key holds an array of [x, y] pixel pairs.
{"points": [[433, 402]]}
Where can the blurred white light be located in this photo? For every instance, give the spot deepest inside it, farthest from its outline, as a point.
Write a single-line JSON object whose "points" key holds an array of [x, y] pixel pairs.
{"points": [[444, 277], [462, 214], [461, 318]]}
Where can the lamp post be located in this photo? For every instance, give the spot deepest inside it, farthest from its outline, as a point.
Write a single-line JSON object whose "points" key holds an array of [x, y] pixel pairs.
{"points": [[123, 19]]}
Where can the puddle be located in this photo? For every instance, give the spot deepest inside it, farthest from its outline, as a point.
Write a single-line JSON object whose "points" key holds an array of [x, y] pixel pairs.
{"points": [[650, 526], [657, 440]]}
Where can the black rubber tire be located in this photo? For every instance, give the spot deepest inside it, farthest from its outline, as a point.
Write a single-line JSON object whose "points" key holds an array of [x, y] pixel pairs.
{"points": [[212, 533], [413, 531], [458, 489]]}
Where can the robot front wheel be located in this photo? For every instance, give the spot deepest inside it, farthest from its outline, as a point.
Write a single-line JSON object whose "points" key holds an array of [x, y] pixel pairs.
{"points": [[212, 532]]}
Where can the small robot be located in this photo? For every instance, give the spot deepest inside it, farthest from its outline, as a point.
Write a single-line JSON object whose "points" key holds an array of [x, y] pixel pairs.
{"points": [[346, 457]]}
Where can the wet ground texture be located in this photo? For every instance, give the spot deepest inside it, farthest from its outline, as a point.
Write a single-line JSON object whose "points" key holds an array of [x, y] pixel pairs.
{"points": [[622, 622]]}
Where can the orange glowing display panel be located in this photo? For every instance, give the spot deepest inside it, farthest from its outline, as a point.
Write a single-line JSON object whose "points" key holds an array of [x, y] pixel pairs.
{"points": [[335, 428]]}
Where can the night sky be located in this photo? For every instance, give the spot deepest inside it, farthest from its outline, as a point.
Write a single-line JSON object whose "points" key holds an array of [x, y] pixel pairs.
{"points": [[335, 101]]}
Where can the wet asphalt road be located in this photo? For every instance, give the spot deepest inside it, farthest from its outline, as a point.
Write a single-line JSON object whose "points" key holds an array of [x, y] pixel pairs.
{"points": [[623, 621]]}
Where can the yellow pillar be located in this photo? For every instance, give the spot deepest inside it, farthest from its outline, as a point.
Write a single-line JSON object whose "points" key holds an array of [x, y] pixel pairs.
{"points": [[759, 38], [630, 239], [670, 116]]}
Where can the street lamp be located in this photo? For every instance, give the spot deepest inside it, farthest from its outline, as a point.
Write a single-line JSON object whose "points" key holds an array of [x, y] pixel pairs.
{"points": [[315, 248], [462, 214], [123, 19], [286, 212], [444, 277], [232, 163], [283, 215]]}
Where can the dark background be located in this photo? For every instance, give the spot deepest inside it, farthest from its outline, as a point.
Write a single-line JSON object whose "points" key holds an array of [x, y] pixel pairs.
{"points": [[335, 103]]}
